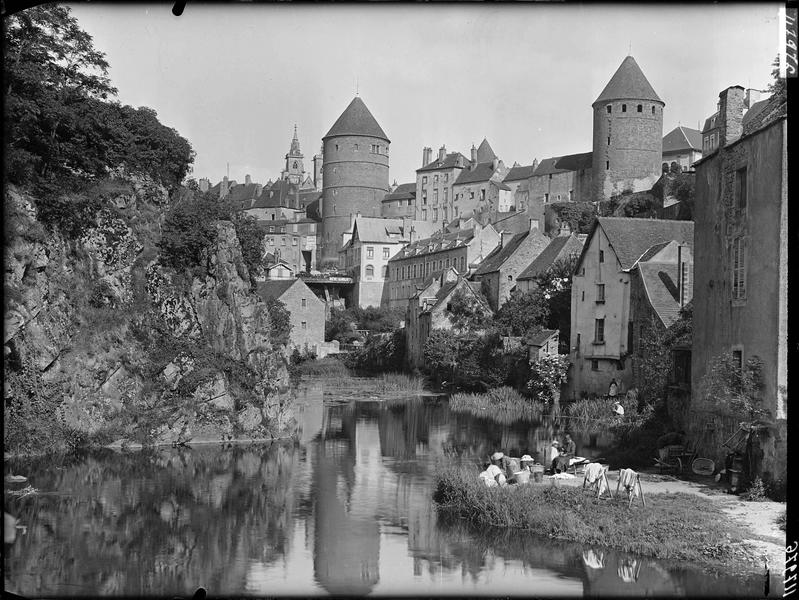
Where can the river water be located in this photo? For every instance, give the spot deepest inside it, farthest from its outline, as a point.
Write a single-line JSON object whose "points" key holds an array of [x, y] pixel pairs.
{"points": [[346, 510]]}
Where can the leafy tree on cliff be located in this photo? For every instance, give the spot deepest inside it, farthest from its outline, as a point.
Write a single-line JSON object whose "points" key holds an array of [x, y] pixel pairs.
{"points": [[189, 228], [280, 322]]}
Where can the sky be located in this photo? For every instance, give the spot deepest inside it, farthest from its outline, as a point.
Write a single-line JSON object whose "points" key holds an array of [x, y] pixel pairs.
{"points": [[235, 78]]}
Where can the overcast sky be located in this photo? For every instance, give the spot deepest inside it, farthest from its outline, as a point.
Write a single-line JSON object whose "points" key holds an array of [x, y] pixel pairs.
{"points": [[235, 78]]}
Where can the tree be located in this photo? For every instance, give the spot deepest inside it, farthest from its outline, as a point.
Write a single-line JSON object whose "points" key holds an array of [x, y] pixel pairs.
{"points": [[279, 322], [547, 374], [467, 312], [523, 313], [579, 215], [189, 229], [734, 389], [340, 326]]}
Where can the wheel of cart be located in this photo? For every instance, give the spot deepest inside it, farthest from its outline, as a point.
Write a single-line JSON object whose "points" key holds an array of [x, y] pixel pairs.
{"points": [[672, 461]]}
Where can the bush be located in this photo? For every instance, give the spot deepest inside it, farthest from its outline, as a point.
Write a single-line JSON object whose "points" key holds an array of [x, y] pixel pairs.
{"points": [[757, 491]]}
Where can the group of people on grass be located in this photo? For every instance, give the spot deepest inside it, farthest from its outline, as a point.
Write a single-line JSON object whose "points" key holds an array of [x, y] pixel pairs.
{"points": [[502, 470]]}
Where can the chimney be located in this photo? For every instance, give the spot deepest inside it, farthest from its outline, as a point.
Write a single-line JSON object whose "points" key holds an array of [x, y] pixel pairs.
{"points": [[247, 179], [427, 153], [507, 236], [442, 152], [495, 163], [684, 294], [460, 160], [474, 156], [752, 96], [258, 189], [533, 224], [731, 112]]}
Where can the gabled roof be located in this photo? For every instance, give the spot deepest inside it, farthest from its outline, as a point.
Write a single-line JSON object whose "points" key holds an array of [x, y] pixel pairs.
{"points": [[563, 164], [558, 248], [404, 191], [681, 139], [628, 82], [356, 120], [481, 172], [450, 161], [660, 284], [540, 338], [520, 172], [630, 239], [500, 254], [436, 243], [274, 288], [377, 229]]}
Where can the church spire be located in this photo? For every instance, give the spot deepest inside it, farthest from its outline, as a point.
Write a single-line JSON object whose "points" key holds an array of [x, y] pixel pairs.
{"points": [[295, 144]]}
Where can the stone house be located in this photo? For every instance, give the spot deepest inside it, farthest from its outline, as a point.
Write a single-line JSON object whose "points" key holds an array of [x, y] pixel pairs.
{"points": [[498, 271], [517, 180], [434, 181], [461, 249], [741, 256], [479, 186], [560, 248], [602, 322], [682, 146], [366, 250], [399, 202], [561, 179], [542, 343], [307, 312], [428, 309], [277, 268], [291, 241]]}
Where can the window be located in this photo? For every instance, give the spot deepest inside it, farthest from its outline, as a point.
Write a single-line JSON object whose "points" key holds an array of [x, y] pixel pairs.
{"points": [[370, 252], [385, 253], [510, 277], [445, 213], [283, 240], [571, 195], [424, 214], [601, 256], [738, 360], [435, 178], [599, 331], [384, 272], [293, 241], [446, 177], [454, 211], [356, 146], [414, 271], [608, 140], [739, 269], [370, 271], [546, 198], [640, 108], [607, 165], [681, 367], [609, 108], [471, 195], [336, 150], [623, 108], [653, 110], [582, 298], [446, 190], [595, 365], [600, 292], [424, 198], [403, 272], [740, 189], [558, 197], [304, 325], [447, 263], [435, 214], [424, 179], [463, 263], [435, 196]]}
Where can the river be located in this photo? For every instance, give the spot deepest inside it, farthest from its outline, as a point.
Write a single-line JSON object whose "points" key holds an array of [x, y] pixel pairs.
{"points": [[346, 510]]}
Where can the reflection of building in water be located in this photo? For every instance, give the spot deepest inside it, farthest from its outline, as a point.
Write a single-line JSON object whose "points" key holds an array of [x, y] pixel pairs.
{"points": [[402, 428], [346, 542]]}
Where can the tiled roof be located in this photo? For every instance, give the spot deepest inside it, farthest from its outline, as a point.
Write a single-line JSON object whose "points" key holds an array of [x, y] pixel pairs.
{"points": [[628, 82], [631, 238], [356, 120], [274, 288], [540, 338], [520, 172], [404, 191], [563, 164], [450, 161], [682, 138], [499, 255], [481, 172], [377, 229], [435, 243], [660, 284], [558, 248]]}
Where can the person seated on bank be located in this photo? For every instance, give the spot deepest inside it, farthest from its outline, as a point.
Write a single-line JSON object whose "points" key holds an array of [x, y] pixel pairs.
{"points": [[618, 409], [613, 389], [486, 477], [569, 448], [496, 470]]}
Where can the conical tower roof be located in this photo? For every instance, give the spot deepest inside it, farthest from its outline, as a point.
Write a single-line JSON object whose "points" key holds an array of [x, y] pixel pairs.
{"points": [[485, 153], [357, 120], [628, 82]]}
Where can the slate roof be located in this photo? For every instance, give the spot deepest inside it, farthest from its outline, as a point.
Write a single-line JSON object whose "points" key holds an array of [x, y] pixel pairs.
{"points": [[563, 164], [485, 153], [630, 239], [274, 288], [558, 248], [404, 191], [500, 254], [481, 172], [628, 82], [659, 281], [435, 243], [450, 161], [755, 109], [356, 120], [711, 122], [520, 172], [540, 338], [681, 138], [377, 229]]}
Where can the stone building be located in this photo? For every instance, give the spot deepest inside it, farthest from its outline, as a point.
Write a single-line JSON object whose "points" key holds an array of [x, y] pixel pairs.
{"points": [[602, 322], [560, 248], [400, 201], [741, 306], [498, 271], [479, 186], [307, 312], [366, 250], [517, 180], [435, 201], [682, 146], [628, 134], [428, 309], [354, 173], [293, 241], [462, 249], [561, 179]]}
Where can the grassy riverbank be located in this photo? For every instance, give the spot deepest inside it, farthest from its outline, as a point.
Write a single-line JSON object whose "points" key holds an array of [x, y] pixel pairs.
{"points": [[671, 526]]}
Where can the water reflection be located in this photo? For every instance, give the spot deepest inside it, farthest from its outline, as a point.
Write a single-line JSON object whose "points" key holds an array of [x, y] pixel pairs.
{"points": [[347, 510]]}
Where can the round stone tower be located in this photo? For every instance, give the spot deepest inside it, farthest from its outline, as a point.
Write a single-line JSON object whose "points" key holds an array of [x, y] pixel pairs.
{"points": [[354, 175], [628, 134]]}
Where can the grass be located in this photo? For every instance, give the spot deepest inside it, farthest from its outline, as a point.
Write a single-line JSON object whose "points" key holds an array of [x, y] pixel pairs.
{"points": [[671, 526], [399, 382], [503, 405], [327, 367]]}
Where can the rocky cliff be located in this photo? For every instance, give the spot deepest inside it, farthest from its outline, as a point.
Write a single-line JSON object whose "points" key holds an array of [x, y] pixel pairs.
{"points": [[104, 343]]}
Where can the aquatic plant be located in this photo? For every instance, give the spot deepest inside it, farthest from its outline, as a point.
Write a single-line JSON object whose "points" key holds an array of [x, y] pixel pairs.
{"points": [[503, 404], [327, 367], [400, 382], [670, 526]]}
